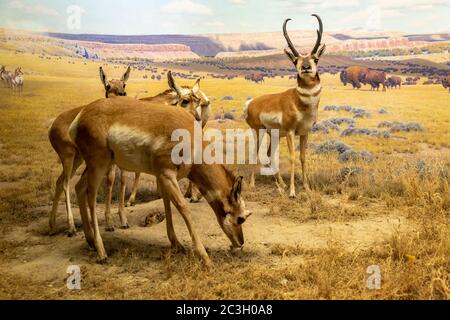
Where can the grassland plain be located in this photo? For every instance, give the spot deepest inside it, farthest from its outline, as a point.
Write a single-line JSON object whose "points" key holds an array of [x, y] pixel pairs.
{"points": [[392, 212]]}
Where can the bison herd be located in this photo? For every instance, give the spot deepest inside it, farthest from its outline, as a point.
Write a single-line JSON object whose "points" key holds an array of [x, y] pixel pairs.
{"points": [[358, 76]]}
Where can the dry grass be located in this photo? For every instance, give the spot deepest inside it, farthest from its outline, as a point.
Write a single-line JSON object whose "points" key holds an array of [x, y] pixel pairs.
{"points": [[414, 265]]}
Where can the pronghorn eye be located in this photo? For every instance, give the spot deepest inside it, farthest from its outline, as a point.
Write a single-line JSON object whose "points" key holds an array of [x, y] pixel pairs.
{"points": [[316, 61]]}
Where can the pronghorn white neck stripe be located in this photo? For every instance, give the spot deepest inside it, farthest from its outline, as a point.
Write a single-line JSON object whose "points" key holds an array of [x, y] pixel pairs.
{"points": [[310, 92]]}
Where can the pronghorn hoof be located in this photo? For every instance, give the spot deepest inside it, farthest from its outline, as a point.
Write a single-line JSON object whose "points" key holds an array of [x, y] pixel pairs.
{"points": [[178, 248], [102, 260], [292, 196], [109, 229], [125, 226], [71, 233], [51, 233]]}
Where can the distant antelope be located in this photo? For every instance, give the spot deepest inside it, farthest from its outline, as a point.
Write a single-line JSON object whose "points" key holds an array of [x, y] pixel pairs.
{"points": [[69, 155], [294, 111], [16, 80], [136, 136], [4, 75]]}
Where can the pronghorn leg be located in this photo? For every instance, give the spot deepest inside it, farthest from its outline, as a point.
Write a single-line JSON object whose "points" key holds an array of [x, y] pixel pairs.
{"points": [[278, 178], [255, 167], [58, 192], [67, 171], [81, 190], [290, 137], [122, 214], [110, 178], [169, 186], [303, 147], [132, 199], [94, 178], [176, 245], [188, 193]]}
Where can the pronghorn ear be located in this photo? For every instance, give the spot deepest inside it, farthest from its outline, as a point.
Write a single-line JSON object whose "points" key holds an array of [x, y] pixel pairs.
{"points": [[196, 87], [237, 189], [291, 57], [103, 78], [320, 51], [126, 75], [172, 84]]}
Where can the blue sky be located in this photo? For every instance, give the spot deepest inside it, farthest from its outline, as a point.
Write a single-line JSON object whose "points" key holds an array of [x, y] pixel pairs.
{"points": [[224, 16]]}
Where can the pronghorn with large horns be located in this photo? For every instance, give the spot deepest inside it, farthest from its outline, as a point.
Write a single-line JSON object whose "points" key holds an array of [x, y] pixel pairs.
{"points": [[294, 111], [136, 136], [70, 158]]}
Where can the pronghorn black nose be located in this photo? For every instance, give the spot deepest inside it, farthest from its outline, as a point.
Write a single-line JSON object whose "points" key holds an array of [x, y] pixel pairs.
{"points": [[306, 67]]}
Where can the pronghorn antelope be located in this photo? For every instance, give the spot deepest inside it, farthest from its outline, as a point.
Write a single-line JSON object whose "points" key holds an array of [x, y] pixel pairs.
{"points": [[70, 157], [175, 96], [136, 136], [4, 75], [16, 80], [71, 160], [115, 87], [294, 111]]}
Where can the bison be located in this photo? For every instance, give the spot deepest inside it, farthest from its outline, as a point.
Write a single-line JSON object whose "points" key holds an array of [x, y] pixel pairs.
{"points": [[354, 75], [394, 82], [375, 78]]}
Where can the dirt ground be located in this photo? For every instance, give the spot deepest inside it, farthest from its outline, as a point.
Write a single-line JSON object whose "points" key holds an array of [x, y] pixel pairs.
{"points": [[30, 254]]}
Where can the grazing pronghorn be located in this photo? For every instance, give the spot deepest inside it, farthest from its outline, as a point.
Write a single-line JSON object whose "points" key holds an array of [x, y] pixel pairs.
{"points": [[136, 136], [71, 160], [294, 111], [16, 80], [69, 155]]}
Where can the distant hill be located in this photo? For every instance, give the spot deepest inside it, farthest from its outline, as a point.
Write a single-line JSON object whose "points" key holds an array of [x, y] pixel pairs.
{"points": [[250, 43], [200, 45]]}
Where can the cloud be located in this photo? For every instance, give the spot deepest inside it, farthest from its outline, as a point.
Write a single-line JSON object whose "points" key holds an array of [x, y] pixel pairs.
{"points": [[410, 4], [186, 7], [315, 5], [36, 9], [215, 24], [22, 24], [237, 1]]}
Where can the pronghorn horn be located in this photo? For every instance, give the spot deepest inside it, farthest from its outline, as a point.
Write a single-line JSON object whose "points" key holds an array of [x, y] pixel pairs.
{"points": [[319, 34], [288, 40]]}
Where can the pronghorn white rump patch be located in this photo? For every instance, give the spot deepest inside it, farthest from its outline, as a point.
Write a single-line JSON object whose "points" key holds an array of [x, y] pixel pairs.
{"points": [[271, 120], [247, 104], [74, 127], [309, 92], [134, 148]]}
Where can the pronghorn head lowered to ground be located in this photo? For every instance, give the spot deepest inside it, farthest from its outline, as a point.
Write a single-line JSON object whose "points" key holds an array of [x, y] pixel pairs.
{"points": [[115, 87], [138, 136], [292, 112], [306, 64]]}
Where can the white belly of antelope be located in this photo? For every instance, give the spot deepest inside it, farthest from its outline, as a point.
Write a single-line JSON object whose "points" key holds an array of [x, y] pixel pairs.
{"points": [[133, 149], [271, 120]]}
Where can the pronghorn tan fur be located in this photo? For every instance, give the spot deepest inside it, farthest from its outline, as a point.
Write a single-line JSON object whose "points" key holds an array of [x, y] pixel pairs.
{"points": [[294, 111], [136, 136]]}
